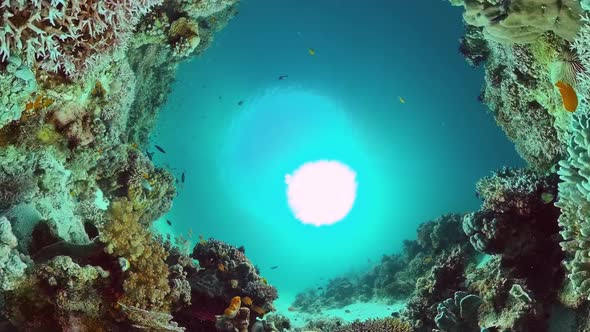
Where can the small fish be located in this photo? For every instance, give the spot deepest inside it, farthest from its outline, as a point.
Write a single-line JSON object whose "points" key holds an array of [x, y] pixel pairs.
{"points": [[160, 148], [168, 222], [202, 239], [150, 155], [311, 51], [221, 267], [547, 198], [401, 100], [274, 267], [240, 103], [247, 300], [347, 311], [124, 264], [282, 77], [182, 177], [320, 288]]}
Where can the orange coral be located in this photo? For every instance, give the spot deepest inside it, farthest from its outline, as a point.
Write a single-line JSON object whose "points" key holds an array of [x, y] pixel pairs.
{"points": [[568, 95], [39, 103], [234, 307]]}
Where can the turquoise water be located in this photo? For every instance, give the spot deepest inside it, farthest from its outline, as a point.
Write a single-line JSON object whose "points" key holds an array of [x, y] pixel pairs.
{"points": [[414, 160]]}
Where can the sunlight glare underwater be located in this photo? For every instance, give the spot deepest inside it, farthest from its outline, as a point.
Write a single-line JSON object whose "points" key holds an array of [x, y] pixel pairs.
{"points": [[292, 135]]}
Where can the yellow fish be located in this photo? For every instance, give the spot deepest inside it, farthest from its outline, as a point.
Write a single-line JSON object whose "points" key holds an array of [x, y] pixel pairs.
{"points": [[311, 51], [221, 267], [402, 100], [247, 300]]}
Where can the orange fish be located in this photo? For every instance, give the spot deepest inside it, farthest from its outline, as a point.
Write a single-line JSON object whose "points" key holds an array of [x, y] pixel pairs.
{"points": [[568, 96], [221, 267], [247, 300], [258, 310]]}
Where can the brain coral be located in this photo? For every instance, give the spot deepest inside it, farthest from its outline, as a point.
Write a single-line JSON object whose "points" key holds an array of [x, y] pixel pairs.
{"points": [[522, 21]]}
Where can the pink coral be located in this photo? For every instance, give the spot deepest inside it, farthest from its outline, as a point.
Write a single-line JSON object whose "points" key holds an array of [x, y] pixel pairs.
{"points": [[67, 36]]}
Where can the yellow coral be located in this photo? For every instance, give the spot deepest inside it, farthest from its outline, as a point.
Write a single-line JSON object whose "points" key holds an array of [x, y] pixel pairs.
{"points": [[233, 308], [146, 285]]}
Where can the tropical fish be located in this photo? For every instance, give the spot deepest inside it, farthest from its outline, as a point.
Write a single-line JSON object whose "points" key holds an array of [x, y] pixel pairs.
{"points": [[202, 239], [274, 267], [547, 198], [182, 177], [240, 103], [149, 155], [124, 264], [282, 77], [568, 96], [258, 310], [168, 222], [160, 148], [347, 311], [402, 100], [221, 267], [311, 51], [247, 300]]}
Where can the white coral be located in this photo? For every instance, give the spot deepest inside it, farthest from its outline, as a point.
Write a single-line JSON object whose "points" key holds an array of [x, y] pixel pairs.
{"points": [[12, 268]]}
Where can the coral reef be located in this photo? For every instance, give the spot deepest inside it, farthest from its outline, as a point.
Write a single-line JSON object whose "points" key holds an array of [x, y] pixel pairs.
{"points": [[522, 21], [458, 313]]}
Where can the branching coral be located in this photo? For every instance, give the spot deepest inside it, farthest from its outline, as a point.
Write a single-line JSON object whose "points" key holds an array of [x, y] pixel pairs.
{"points": [[67, 36]]}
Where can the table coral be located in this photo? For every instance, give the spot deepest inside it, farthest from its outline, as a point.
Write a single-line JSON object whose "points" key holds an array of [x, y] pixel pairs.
{"points": [[522, 21]]}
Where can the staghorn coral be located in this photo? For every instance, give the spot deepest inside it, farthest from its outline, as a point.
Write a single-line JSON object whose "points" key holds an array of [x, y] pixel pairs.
{"points": [[68, 36], [522, 21], [146, 283]]}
